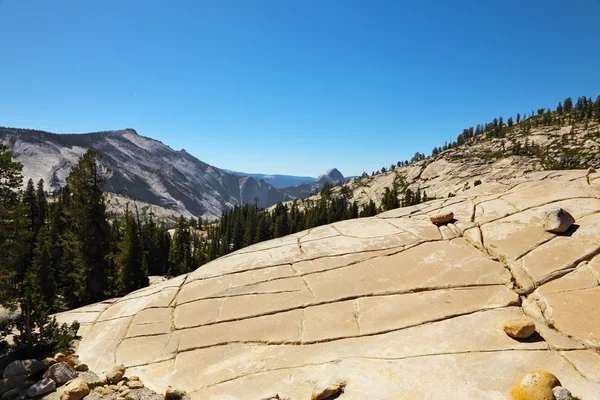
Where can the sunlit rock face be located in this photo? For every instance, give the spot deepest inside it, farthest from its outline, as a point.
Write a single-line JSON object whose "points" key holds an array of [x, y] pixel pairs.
{"points": [[389, 307]]}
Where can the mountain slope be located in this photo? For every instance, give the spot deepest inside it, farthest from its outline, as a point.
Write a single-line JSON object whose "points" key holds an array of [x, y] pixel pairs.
{"points": [[141, 168], [486, 159]]}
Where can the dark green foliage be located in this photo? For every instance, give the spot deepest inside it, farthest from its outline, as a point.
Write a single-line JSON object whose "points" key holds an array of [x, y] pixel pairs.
{"points": [[48, 340], [42, 205], [26, 268], [390, 200], [368, 210], [88, 233], [180, 257], [131, 260]]}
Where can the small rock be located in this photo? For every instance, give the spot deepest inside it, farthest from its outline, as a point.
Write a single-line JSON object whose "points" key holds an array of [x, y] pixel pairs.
{"points": [[519, 328], [174, 394], [121, 383], [536, 385], [61, 373], [326, 390], [14, 394], [107, 391], [39, 388], [16, 368], [133, 378], [75, 390], [60, 357], [82, 367], [557, 220], [125, 392], [562, 393], [135, 384], [442, 217], [115, 373], [123, 388]]}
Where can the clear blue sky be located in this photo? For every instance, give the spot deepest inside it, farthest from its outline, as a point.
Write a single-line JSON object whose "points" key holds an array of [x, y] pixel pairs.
{"points": [[292, 87]]}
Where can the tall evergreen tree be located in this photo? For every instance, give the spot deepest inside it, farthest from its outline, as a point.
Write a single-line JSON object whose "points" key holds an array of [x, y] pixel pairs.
{"points": [[10, 181], [180, 257], [133, 271], [87, 237], [42, 205]]}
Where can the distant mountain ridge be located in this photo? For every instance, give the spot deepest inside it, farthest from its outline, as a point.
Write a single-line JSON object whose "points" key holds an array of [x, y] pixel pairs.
{"points": [[146, 169], [277, 180]]}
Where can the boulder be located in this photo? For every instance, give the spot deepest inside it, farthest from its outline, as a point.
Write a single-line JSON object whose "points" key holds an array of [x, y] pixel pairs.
{"points": [[519, 328], [536, 385], [75, 390], [562, 393], [442, 217], [557, 220], [37, 367], [115, 373], [25, 368], [175, 394], [8, 384], [17, 368], [61, 373], [42, 387], [14, 394]]}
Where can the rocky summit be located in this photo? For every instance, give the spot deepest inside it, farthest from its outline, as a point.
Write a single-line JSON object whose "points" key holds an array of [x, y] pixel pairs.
{"points": [[388, 307]]}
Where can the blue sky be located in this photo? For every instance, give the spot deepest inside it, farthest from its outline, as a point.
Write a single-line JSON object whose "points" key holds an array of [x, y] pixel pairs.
{"points": [[292, 87]]}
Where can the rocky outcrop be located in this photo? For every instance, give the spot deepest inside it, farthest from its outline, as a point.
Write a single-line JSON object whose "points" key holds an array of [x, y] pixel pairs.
{"points": [[382, 304]]}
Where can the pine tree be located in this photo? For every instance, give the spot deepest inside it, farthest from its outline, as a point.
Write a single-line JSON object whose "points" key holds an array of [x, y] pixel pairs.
{"points": [[25, 282], [133, 272], [43, 270], [29, 207], [42, 205], [10, 181], [87, 238], [180, 257]]}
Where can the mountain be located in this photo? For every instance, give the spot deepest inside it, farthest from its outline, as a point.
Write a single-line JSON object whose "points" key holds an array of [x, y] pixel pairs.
{"points": [[332, 176], [278, 181], [140, 168]]}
